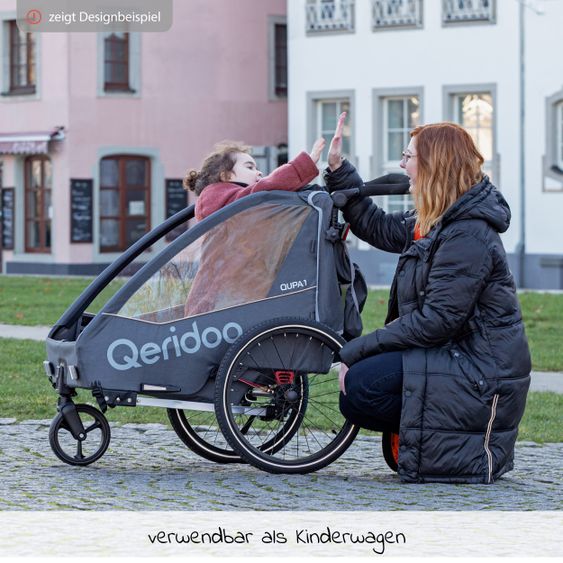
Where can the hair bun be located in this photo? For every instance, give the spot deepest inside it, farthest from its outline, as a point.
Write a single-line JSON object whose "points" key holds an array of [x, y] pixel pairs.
{"points": [[190, 179]]}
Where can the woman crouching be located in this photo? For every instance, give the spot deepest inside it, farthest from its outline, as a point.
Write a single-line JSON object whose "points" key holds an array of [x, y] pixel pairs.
{"points": [[450, 369]]}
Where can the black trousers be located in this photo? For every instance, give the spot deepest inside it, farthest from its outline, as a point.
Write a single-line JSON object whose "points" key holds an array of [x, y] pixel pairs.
{"points": [[374, 392]]}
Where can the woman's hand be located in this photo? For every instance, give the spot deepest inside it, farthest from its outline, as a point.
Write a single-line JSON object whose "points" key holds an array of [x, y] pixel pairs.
{"points": [[317, 150], [335, 149], [341, 376]]}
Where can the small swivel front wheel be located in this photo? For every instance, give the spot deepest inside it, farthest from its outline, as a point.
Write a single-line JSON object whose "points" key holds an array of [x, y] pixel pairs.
{"points": [[84, 450]]}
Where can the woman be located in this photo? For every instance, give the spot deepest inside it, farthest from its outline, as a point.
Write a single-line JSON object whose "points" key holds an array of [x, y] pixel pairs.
{"points": [[450, 369]]}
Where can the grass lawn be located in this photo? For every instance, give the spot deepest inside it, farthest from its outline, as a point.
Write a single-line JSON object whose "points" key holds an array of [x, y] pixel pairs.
{"points": [[35, 301], [27, 394], [26, 300]]}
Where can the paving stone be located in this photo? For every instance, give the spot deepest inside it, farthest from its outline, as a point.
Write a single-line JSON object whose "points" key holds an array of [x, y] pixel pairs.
{"points": [[148, 468]]}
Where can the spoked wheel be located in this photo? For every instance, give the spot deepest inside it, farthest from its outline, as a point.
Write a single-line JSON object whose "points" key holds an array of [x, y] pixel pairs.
{"points": [[200, 431], [80, 452], [276, 397], [390, 447]]}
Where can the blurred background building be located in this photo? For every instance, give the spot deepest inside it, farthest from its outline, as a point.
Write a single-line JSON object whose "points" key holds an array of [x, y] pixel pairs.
{"points": [[494, 66], [97, 130]]}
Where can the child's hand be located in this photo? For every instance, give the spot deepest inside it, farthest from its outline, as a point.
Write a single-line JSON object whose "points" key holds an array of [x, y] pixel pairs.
{"points": [[335, 149], [317, 150]]}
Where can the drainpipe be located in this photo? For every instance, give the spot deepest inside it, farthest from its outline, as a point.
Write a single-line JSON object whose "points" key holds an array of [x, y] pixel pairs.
{"points": [[521, 246]]}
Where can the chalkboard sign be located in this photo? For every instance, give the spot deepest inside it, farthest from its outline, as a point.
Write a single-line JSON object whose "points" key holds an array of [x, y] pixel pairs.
{"points": [[8, 218], [176, 200], [81, 210]]}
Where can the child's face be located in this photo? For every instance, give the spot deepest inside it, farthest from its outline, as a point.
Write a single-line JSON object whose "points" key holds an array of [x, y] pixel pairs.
{"points": [[244, 170]]}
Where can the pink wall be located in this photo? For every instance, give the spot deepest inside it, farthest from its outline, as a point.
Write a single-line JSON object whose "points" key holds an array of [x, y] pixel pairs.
{"points": [[204, 80]]}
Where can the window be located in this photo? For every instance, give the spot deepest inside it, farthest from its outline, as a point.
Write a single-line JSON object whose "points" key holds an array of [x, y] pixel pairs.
{"points": [[281, 155], [116, 62], [401, 114], [22, 61], [327, 115], [474, 112], [119, 64], [559, 142], [323, 109], [280, 60], [38, 208], [124, 201], [330, 15], [553, 158], [198, 279], [396, 13], [468, 11]]}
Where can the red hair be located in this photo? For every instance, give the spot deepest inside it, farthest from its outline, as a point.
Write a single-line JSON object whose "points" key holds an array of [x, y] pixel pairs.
{"points": [[448, 165]]}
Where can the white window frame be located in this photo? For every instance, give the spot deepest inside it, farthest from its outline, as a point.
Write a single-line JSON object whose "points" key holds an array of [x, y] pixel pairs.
{"points": [[559, 142], [457, 16], [316, 23], [320, 132], [314, 118], [553, 158], [450, 96], [457, 118], [380, 164], [408, 14]]}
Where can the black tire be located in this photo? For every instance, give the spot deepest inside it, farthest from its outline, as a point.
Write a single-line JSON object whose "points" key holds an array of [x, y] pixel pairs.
{"points": [[390, 448], [90, 449], [200, 431], [270, 376]]}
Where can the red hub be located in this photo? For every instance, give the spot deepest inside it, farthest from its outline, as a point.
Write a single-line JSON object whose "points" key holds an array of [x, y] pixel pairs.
{"points": [[284, 377]]}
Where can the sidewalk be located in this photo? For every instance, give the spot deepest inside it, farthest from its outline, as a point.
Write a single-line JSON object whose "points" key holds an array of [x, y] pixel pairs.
{"points": [[541, 381], [148, 468]]}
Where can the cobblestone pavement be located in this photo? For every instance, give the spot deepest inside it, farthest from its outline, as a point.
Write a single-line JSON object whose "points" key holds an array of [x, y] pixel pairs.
{"points": [[147, 468]]}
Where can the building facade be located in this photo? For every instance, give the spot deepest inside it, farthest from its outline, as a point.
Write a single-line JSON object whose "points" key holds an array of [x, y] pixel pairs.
{"points": [[490, 65], [98, 129]]}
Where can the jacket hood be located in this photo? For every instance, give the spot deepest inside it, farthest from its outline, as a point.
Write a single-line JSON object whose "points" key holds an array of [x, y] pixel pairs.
{"points": [[482, 201]]}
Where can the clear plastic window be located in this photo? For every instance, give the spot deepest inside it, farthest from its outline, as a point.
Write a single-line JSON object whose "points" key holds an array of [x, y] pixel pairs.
{"points": [[233, 263]]}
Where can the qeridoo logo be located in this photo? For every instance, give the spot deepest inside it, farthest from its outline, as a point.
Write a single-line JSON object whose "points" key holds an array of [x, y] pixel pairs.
{"points": [[124, 354]]}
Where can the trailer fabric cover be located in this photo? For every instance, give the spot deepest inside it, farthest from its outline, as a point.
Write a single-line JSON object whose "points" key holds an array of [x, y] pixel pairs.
{"points": [[143, 336]]}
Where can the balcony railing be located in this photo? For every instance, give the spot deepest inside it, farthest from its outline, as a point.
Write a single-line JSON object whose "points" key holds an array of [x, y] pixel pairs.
{"points": [[330, 15], [456, 11], [396, 13]]}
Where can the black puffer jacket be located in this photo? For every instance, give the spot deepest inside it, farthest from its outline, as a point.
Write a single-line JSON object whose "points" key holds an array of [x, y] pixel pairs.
{"points": [[453, 309]]}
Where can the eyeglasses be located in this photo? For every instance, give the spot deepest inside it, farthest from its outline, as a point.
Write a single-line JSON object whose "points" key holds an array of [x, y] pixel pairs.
{"points": [[407, 156]]}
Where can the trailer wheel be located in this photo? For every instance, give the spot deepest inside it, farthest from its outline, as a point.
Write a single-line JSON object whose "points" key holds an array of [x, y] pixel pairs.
{"points": [[200, 431], [82, 451], [276, 397]]}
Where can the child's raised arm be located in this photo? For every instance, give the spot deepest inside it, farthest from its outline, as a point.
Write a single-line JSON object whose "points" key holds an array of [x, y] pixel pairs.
{"points": [[335, 149], [317, 150]]}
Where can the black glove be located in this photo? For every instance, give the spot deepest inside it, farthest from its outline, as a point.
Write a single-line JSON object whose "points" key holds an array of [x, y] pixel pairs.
{"points": [[390, 184], [389, 179], [344, 177]]}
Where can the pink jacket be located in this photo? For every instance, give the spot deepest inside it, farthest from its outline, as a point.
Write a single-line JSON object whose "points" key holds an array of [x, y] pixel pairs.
{"points": [[291, 176]]}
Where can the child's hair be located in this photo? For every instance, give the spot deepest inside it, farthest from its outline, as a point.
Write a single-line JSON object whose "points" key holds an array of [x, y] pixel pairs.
{"points": [[220, 161]]}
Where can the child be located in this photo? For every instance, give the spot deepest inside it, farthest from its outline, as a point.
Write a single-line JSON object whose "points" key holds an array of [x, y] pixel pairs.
{"points": [[229, 173]]}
